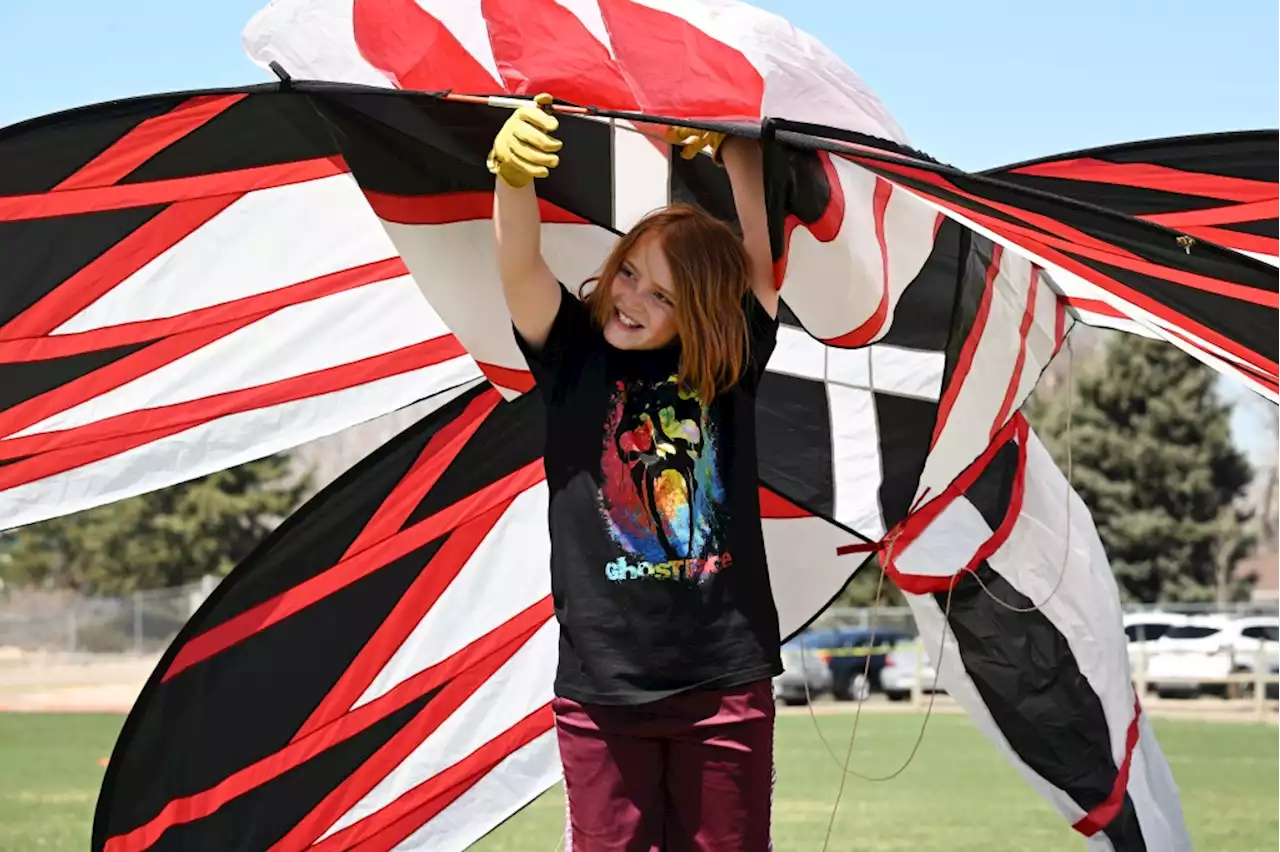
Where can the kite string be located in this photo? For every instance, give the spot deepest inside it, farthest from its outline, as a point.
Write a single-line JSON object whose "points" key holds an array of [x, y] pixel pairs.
{"points": [[890, 541]]}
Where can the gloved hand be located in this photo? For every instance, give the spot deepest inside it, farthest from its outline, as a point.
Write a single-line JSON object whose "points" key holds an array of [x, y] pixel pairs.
{"points": [[523, 149], [694, 141]]}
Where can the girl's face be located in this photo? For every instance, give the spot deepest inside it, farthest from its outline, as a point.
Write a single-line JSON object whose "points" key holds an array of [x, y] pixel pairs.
{"points": [[643, 295]]}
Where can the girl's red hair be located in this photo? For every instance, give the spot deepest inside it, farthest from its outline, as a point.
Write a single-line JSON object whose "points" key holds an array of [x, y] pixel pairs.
{"points": [[710, 274]]}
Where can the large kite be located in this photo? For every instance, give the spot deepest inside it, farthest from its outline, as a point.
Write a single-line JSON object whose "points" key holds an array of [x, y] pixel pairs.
{"points": [[195, 280]]}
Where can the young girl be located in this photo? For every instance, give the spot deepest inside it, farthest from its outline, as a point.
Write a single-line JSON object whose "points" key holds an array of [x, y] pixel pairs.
{"points": [[668, 631]]}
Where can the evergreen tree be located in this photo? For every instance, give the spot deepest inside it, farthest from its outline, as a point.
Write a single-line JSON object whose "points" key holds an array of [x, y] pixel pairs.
{"points": [[861, 591], [1152, 458], [164, 538]]}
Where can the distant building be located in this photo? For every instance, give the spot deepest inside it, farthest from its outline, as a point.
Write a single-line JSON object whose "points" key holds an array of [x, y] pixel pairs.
{"points": [[1267, 568]]}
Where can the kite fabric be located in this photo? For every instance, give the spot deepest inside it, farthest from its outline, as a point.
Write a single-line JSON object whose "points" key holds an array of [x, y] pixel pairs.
{"points": [[154, 328], [392, 661], [191, 281], [727, 61], [869, 419], [204, 278], [1220, 188]]}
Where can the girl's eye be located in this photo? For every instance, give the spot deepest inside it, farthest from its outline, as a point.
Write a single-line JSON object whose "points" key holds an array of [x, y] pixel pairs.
{"points": [[627, 271], [661, 297]]}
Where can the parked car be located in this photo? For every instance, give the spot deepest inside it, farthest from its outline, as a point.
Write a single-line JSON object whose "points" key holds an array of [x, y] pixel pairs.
{"points": [[1143, 630], [1189, 657], [1273, 689], [846, 650], [801, 668], [899, 674]]}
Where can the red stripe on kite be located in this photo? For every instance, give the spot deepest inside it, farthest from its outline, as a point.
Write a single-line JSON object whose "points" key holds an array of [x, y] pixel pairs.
{"points": [[700, 77], [344, 573], [413, 605], [515, 631], [502, 640], [1246, 373], [507, 377], [1257, 211], [114, 375], [1168, 317], [431, 463], [1028, 320], [1227, 289], [76, 343], [343, 798], [965, 360], [1247, 370], [874, 324], [915, 525], [916, 521], [46, 205], [1059, 323], [1101, 308], [825, 228], [774, 505], [1164, 312], [49, 464], [446, 208], [94, 280], [385, 830], [1101, 815], [1148, 176], [1269, 246], [71, 448], [146, 140], [1086, 246], [1037, 221], [1095, 306], [415, 50], [541, 46]]}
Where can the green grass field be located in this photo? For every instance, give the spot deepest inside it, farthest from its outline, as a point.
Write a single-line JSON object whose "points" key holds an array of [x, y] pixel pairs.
{"points": [[956, 787]]}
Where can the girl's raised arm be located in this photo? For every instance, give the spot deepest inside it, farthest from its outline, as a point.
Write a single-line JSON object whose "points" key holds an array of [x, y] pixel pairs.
{"points": [[744, 162], [524, 150]]}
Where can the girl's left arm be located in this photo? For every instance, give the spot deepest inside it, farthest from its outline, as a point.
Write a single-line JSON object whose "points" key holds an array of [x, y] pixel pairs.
{"points": [[744, 161]]}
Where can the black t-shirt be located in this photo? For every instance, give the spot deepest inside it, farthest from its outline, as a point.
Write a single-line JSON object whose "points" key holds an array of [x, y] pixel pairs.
{"points": [[658, 569]]}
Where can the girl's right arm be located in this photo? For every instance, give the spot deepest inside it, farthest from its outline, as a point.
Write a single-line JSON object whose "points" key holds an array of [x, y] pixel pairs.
{"points": [[522, 151], [530, 288]]}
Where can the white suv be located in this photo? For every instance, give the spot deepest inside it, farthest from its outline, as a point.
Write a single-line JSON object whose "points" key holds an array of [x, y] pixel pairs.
{"points": [[1144, 629], [1209, 647]]}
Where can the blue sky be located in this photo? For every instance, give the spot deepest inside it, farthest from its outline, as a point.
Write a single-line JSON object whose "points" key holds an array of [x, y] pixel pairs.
{"points": [[976, 84]]}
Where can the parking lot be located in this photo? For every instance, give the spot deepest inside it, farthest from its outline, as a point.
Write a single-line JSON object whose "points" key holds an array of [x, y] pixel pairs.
{"points": [[1212, 665]]}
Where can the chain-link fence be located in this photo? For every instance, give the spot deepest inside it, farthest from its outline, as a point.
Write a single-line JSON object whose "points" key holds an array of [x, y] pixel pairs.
{"points": [[141, 623], [145, 622]]}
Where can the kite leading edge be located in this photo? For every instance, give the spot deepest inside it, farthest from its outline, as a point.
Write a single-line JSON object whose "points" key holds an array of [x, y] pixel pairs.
{"points": [[394, 665]]}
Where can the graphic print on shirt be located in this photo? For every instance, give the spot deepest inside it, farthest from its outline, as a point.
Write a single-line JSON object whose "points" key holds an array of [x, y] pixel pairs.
{"points": [[661, 496]]}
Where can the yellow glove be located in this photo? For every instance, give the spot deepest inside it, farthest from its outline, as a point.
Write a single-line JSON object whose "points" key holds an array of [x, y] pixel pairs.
{"points": [[523, 149], [694, 141]]}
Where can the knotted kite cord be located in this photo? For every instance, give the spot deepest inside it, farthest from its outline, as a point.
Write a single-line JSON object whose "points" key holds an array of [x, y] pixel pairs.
{"points": [[888, 543]]}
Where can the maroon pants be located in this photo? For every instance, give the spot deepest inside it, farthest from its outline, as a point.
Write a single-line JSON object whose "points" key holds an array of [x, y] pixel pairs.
{"points": [[691, 772]]}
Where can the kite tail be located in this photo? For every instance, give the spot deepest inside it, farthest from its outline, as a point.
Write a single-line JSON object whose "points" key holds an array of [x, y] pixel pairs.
{"points": [[1008, 623]]}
